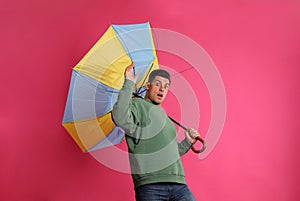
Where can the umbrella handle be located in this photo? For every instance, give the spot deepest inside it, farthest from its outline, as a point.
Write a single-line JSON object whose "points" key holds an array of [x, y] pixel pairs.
{"points": [[197, 138], [203, 145]]}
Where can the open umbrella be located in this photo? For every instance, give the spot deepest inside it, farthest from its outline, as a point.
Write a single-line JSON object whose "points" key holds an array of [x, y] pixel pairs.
{"points": [[97, 79]]}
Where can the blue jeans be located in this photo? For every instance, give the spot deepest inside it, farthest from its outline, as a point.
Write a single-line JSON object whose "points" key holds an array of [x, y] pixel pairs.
{"points": [[164, 192]]}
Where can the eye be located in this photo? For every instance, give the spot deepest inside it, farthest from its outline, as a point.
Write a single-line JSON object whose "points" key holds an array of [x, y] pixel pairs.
{"points": [[167, 86], [157, 84]]}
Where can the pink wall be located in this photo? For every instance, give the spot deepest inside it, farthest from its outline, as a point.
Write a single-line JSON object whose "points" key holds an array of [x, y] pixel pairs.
{"points": [[254, 43]]}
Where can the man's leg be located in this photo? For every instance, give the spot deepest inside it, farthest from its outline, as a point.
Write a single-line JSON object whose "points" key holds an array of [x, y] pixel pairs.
{"points": [[181, 192], [153, 192]]}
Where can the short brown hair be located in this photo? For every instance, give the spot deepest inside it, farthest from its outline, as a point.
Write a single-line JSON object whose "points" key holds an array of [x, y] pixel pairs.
{"points": [[161, 73]]}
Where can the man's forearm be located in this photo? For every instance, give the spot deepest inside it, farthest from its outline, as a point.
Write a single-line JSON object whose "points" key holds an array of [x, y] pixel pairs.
{"points": [[184, 146], [122, 110]]}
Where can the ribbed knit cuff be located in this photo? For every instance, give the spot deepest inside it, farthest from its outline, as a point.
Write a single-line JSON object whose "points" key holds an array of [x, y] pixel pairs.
{"points": [[186, 143], [128, 84]]}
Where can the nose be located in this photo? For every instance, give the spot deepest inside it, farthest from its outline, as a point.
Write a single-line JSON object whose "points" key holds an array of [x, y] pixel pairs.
{"points": [[162, 88]]}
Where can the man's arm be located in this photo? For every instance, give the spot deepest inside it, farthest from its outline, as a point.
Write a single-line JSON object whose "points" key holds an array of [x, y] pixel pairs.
{"points": [[184, 146], [189, 140], [124, 112]]}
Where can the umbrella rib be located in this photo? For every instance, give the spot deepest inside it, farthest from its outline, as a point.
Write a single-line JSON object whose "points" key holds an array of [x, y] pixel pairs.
{"points": [[132, 39], [138, 92], [172, 75], [141, 91], [135, 42], [187, 69]]}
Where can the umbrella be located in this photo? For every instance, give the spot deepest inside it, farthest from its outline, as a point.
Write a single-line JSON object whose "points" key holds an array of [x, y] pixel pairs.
{"points": [[97, 79]]}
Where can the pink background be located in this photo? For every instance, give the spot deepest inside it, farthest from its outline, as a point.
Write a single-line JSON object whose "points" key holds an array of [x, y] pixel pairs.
{"points": [[254, 43]]}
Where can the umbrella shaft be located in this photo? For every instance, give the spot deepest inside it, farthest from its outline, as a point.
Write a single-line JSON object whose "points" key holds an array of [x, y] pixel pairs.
{"points": [[184, 128]]}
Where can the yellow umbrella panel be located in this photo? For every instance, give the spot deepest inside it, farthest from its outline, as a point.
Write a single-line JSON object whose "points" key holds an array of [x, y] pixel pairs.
{"points": [[97, 79]]}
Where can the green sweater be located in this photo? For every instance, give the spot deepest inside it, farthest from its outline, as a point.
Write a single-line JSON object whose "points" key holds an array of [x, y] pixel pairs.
{"points": [[154, 153]]}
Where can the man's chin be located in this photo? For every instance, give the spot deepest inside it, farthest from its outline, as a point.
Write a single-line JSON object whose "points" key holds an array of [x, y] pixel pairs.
{"points": [[156, 102]]}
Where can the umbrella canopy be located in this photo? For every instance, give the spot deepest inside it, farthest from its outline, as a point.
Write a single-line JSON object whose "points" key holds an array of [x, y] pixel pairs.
{"points": [[97, 79]]}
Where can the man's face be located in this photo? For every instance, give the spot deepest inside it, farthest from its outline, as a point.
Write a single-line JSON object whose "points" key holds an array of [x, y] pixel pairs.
{"points": [[157, 90]]}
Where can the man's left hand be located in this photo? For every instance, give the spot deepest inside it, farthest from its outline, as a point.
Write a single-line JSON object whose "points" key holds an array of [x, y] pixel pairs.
{"points": [[191, 134]]}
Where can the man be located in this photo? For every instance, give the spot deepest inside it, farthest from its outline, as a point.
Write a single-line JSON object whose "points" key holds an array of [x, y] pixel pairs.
{"points": [[154, 152]]}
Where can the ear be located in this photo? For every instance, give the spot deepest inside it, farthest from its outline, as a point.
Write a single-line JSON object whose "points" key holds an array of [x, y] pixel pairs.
{"points": [[147, 85]]}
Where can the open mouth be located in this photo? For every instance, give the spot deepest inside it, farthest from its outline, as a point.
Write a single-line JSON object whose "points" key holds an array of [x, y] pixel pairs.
{"points": [[160, 95]]}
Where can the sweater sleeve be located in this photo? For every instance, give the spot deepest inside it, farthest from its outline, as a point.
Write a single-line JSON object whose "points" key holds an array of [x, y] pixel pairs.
{"points": [[124, 113], [184, 146]]}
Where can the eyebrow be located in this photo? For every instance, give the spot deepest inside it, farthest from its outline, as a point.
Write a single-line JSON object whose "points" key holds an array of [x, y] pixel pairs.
{"points": [[161, 82]]}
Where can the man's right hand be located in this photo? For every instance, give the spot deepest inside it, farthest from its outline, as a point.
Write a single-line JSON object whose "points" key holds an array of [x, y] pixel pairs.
{"points": [[128, 73]]}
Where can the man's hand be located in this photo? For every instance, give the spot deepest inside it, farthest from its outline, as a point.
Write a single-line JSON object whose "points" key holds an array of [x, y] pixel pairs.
{"points": [[128, 73], [191, 134]]}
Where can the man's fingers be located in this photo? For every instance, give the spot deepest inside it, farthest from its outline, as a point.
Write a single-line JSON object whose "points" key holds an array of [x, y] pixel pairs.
{"points": [[129, 68], [193, 133]]}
